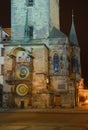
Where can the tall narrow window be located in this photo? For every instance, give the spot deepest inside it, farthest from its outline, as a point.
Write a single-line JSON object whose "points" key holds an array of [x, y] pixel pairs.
{"points": [[56, 62], [29, 2], [31, 32], [2, 51]]}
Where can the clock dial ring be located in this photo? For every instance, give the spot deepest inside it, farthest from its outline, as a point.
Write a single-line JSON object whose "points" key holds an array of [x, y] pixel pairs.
{"points": [[22, 89], [22, 72]]}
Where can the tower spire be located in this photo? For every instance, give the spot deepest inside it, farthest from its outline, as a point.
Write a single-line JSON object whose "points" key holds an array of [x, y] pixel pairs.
{"points": [[72, 35]]}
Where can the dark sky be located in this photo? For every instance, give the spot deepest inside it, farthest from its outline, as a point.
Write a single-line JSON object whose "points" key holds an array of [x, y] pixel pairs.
{"points": [[80, 8]]}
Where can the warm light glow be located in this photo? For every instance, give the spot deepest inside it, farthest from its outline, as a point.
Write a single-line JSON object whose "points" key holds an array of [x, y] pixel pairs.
{"points": [[47, 80], [86, 101]]}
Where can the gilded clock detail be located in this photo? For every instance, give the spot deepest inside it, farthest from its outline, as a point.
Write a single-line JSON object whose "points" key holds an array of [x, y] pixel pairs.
{"points": [[22, 89]]}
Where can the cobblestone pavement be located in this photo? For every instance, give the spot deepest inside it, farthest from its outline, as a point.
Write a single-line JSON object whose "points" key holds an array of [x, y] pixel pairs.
{"points": [[60, 110], [44, 127]]}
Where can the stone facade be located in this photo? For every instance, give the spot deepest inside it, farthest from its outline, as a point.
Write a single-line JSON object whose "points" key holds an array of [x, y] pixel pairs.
{"points": [[82, 94], [46, 87], [1, 72], [1, 63], [38, 20], [39, 71], [43, 16]]}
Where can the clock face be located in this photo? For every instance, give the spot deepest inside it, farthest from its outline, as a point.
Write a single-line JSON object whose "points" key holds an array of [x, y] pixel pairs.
{"points": [[22, 89], [22, 72]]}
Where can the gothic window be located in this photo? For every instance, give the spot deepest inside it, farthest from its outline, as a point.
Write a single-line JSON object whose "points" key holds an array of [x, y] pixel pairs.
{"points": [[31, 32], [29, 2], [56, 62]]}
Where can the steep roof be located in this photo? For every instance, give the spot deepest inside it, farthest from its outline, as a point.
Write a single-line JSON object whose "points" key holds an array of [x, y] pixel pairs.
{"points": [[55, 33], [7, 30], [72, 35]]}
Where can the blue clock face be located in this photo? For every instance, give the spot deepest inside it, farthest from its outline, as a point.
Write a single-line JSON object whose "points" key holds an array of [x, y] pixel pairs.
{"points": [[22, 72]]}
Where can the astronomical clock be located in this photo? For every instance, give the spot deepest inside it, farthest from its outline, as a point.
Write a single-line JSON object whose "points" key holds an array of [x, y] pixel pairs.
{"points": [[23, 73], [22, 69], [22, 89]]}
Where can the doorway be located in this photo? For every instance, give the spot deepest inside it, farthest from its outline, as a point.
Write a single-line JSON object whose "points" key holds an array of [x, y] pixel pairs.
{"points": [[57, 100], [22, 105]]}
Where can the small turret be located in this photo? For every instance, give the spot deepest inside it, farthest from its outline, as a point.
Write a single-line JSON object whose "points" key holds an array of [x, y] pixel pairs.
{"points": [[75, 59], [72, 35]]}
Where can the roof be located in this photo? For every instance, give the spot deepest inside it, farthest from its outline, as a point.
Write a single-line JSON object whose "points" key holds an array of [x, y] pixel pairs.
{"points": [[55, 33], [72, 35], [7, 30]]}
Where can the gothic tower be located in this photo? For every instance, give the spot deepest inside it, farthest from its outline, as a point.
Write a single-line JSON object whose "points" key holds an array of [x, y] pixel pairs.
{"points": [[75, 59], [39, 57], [42, 17]]}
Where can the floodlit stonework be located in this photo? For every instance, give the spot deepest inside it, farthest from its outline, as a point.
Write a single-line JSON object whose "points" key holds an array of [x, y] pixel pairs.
{"points": [[82, 94], [41, 64]]}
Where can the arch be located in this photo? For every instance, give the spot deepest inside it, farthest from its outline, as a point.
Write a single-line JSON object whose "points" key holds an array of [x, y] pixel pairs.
{"points": [[15, 50], [56, 62]]}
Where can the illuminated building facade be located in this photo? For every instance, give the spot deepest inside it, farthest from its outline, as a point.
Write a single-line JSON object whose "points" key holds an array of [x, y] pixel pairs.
{"points": [[42, 65], [1, 73]]}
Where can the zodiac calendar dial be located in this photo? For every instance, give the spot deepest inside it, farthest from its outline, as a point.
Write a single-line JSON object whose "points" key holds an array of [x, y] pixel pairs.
{"points": [[22, 89]]}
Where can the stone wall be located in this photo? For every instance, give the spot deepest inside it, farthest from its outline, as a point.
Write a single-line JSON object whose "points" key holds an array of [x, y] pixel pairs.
{"points": [[39, 87], [1, 64], [59, 91], [38, 17], [54, 14]]}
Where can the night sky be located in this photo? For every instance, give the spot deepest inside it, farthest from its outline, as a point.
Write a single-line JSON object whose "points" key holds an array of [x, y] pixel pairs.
{"points": [[80, 8]]}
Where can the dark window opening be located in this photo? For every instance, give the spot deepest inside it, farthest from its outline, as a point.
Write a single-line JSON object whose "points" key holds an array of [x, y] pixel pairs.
{"points": [[56, 62], [29, 2], [22, 105], [31, 32], [2, 51]]}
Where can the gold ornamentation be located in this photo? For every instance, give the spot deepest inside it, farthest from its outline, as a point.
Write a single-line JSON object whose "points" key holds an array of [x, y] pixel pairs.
{"points": [[22, 89]]}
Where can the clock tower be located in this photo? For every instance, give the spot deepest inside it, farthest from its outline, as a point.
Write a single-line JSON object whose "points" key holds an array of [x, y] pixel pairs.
{"points": [[41, 72], [42, 17]]}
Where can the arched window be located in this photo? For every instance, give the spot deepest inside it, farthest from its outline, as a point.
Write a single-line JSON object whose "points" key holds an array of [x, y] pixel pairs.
{"points": [[56, 62]]}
